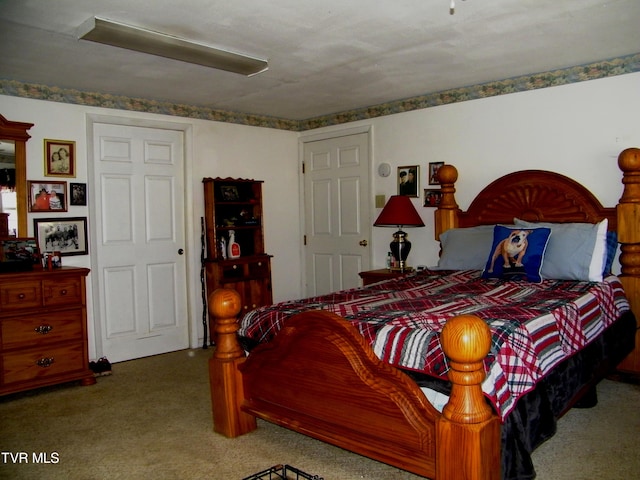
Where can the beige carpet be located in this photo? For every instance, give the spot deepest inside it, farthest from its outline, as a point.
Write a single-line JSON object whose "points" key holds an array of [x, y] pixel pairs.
{"points": [[151, 420]]}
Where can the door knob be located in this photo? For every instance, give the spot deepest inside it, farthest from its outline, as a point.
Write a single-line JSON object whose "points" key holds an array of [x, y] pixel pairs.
{"points": [[180, 251], [363, 243]]}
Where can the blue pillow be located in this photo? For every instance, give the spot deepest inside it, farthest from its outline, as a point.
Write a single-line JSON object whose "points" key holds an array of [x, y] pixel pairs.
{"points": [[465, 248], [612, 249], [517, 253], [576, 250]]}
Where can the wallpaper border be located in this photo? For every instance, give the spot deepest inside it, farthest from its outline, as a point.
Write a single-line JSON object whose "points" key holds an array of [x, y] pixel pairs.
{"points": [[565, 76]]}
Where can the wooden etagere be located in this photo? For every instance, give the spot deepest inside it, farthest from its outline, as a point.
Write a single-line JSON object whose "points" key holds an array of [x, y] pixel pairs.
{"points": [[235, 204]]}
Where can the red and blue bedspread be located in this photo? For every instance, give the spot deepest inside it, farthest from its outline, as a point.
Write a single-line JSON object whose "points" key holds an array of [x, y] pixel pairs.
{"points": [[534, 325]]}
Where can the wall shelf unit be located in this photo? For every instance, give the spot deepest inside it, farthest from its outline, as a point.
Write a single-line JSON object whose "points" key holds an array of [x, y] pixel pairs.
{"points": [[233, 208]]}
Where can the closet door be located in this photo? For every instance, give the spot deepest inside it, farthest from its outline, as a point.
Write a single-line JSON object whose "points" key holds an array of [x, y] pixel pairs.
{"points": [[139, 224]]}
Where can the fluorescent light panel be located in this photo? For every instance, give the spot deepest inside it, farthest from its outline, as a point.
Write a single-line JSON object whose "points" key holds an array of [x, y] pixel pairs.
{"points": [[109, 32]]}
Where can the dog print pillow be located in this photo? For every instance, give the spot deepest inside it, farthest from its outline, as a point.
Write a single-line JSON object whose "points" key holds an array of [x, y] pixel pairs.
{"points": [[517, 253]]}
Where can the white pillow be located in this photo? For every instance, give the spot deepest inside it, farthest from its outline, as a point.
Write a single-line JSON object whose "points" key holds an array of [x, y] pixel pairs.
{"points": [[599, 252], [576, 251]]}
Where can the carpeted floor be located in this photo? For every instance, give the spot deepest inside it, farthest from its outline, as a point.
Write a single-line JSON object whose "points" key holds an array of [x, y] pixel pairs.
{"points": [[151, 420]]}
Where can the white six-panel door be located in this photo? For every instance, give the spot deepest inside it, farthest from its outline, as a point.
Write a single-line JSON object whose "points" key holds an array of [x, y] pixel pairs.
{"points": [[337, 212], [140, 237]]}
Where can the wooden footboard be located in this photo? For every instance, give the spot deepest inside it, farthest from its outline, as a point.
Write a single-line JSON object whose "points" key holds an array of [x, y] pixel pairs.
{"points": [[320, 378]]}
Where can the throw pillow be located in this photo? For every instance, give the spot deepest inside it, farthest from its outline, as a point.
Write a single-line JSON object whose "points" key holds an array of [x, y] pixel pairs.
{"points": [[517, 253]]}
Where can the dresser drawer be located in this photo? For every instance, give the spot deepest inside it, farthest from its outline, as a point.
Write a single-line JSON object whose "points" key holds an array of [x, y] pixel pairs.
{"points": [[40, 329], [259, 269], [35, 364], [20, 295], [62, 291]]}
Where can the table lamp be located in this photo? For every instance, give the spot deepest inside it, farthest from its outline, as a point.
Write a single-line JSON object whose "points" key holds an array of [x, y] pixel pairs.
{"points": [[399, 212]]}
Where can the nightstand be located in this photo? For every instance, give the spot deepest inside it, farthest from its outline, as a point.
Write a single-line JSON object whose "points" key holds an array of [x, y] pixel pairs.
{"points": [[373, 276]]}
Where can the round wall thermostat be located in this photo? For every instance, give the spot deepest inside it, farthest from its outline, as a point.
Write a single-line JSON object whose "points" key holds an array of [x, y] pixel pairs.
{"points": [[384, 169]]}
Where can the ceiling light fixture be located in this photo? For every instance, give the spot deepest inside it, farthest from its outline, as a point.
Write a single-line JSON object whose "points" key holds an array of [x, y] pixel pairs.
{"points": [[452, 7], [109, 32]]}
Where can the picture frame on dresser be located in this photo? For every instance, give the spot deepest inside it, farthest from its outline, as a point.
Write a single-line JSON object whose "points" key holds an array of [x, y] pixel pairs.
{"points": [[65, 235], [18, 254]]}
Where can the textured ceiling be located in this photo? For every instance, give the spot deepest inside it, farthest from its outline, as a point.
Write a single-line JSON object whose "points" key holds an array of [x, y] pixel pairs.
{"points": [[324, 56]]}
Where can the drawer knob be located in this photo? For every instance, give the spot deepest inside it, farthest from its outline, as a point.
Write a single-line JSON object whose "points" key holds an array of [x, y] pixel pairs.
{"points": [[259, 264], [43, 329], [45, 362], [21, 296], [235, 267], [63, 292]]}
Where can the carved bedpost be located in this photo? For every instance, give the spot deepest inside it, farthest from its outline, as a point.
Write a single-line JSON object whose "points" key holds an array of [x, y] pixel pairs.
{"points": [[225, 380], [628, 211], [446, 215], [468, 431]]}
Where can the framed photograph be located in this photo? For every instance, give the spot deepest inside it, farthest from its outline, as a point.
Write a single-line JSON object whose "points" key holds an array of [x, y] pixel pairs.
{"points": [[59, 158], [17, 254], [408, 180], [78, 194], [433, 172], [47, 196], [65, 235], [229, 193], [432, 197]]}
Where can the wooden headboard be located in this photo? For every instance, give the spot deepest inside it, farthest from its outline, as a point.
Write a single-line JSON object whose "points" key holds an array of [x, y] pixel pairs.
{"points": [[532, 195], [538, 195]]}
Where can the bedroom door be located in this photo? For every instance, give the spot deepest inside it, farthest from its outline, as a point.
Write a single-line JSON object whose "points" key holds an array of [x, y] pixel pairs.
{"points": [[140, 268], [337, 212]]}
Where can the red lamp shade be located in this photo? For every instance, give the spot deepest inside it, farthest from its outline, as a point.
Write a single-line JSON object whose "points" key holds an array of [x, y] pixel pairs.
{"points": [[399, 212]]}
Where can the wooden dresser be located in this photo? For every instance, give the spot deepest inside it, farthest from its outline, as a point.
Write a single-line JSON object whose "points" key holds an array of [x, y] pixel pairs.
{"points": [[43, 329]]}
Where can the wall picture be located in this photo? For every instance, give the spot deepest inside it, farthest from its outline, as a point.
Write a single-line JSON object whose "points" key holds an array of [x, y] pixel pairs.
{"points": [[47, 196], [432, 197], [78, 194], [59, 158], [65, 235], [433, 172], [408, 180]]}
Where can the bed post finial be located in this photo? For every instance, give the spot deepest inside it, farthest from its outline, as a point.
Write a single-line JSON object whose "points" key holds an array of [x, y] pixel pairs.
{"points": [[225, 379], [468, 431], [628, 216], [446, 215], [466, 341]]}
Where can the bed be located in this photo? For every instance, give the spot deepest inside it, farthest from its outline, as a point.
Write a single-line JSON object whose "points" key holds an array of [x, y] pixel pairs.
{"points": [[319, 376]]}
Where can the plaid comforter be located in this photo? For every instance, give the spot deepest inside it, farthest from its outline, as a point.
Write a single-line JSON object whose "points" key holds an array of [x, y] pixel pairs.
{"points": [[534, 326]]}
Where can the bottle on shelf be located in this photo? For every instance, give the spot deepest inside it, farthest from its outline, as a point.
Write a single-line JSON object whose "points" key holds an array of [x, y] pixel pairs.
{"points": [[234, 247], [389, 261], [223, 248]]}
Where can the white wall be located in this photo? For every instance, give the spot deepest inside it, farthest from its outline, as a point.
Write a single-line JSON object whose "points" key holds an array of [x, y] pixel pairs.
{"points": [[213, 150], [577, 130]]}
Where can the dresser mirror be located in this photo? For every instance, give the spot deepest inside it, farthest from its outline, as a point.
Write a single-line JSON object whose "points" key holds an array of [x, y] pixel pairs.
{"points": [[13, 174]]}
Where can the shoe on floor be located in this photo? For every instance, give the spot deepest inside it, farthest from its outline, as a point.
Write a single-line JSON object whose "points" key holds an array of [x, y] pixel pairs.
{"points": [[101, 368]]}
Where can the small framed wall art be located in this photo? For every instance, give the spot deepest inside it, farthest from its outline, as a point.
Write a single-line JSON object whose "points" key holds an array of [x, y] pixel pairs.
{"points": [[432, 197], [78, 194], [59, 158], [408, 180], [65, 235], [433, 172], [47, 196]]}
